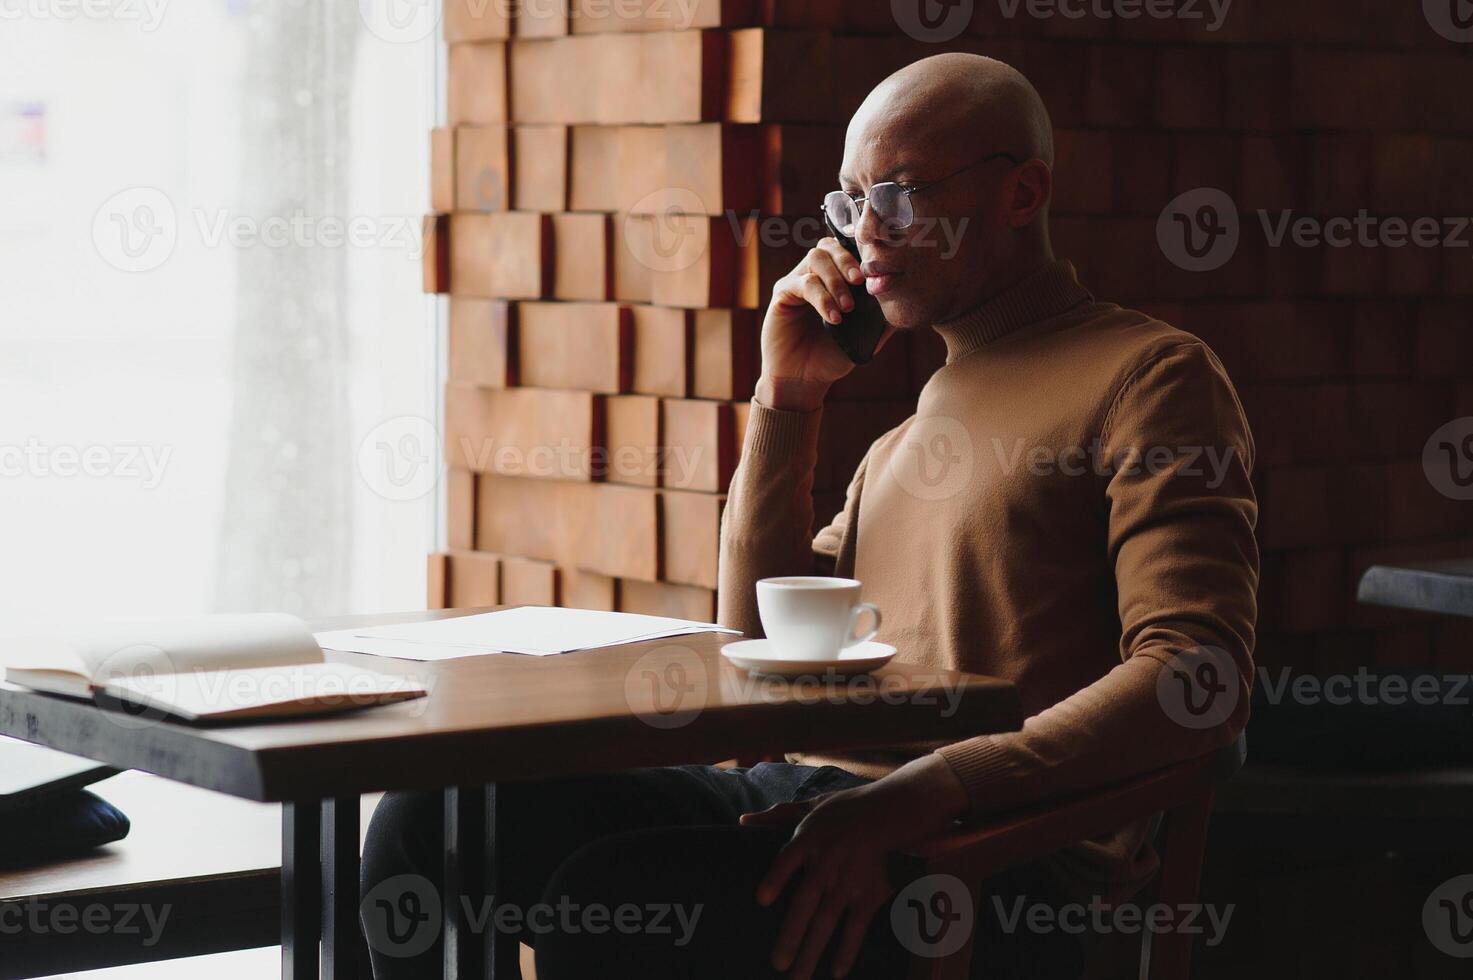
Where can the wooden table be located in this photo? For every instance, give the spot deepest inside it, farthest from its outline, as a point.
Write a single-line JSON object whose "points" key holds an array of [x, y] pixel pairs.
{"points": [[492, 719], [1438, 586]]}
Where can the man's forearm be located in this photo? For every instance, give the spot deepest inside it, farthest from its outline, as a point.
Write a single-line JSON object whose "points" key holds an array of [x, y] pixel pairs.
{"points": [[767, 528]]}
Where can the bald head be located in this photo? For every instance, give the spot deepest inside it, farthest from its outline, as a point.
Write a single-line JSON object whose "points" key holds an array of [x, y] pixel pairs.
{"points": [[971, 141], [960, 102]]}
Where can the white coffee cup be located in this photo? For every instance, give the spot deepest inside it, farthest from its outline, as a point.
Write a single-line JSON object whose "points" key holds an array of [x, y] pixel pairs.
{"points": [[809, 617]]}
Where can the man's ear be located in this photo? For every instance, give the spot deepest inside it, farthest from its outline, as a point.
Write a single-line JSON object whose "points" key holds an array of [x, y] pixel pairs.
{"points": [[1033, 185]]}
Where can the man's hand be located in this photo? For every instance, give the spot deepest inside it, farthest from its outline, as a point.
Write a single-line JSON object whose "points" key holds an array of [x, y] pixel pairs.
{"points": [[841, 844], [799, 360]]}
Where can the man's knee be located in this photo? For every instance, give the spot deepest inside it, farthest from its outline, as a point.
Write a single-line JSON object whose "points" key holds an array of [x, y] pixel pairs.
{"points": [[664, 899], [405, 837]]}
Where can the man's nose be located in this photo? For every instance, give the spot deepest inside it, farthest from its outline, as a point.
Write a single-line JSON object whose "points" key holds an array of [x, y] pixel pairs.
{"points": [[871, 229]]}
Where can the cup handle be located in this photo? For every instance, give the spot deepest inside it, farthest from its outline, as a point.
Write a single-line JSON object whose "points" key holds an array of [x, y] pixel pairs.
{"points": [[854, 614]]}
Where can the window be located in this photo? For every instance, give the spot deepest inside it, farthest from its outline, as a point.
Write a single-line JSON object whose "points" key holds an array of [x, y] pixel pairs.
{"points": [[210, 302]]}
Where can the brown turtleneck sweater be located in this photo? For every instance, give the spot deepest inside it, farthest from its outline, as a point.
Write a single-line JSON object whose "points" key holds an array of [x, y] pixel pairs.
{"points": [[1069, 508]]}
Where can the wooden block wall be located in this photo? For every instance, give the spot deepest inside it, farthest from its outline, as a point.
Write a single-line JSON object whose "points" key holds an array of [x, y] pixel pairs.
{"points": [[599, 196], [614, 193]]}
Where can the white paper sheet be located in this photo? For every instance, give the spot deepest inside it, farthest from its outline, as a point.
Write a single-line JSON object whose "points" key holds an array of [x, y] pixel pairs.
{"points": [[538, 631]]}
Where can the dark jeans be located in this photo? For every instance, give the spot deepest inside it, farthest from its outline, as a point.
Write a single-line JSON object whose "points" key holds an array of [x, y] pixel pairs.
{"points": [[647, 874]]}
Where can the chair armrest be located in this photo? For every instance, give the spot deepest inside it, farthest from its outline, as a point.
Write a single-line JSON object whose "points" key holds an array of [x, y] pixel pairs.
{"points": [[974, 852]]}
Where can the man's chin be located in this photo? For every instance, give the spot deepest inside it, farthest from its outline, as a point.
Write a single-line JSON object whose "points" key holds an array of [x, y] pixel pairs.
{"points": [[904, 314]]}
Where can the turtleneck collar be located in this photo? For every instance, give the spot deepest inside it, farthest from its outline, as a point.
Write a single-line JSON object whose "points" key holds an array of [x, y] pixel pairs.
{"points": [[1049, 292]]}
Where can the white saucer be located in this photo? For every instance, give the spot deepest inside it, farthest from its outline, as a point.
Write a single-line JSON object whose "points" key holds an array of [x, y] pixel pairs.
{"points": [[759, 657]]}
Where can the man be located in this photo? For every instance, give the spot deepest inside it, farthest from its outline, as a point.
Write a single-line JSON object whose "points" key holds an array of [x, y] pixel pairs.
{"points": [[1047, 516]]}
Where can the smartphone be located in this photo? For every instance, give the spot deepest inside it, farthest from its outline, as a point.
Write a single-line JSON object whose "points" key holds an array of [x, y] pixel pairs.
{"points": [[862, 327]]}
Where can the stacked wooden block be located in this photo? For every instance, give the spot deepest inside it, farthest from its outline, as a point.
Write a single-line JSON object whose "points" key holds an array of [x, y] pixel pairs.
{"points": [[616, 190]]}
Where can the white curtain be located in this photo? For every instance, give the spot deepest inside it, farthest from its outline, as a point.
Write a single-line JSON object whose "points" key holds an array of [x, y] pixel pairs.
{"points": [[286, 538]]}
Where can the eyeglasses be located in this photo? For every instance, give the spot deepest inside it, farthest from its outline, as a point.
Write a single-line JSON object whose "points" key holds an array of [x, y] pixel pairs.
{"points": [[891, 201]]}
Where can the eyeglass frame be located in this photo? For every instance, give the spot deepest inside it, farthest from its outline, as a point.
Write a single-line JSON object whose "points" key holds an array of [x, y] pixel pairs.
{"points": [[862, 202]]}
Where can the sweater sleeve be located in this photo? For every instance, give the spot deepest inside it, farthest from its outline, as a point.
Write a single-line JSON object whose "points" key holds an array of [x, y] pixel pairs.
{"points": [[767, 526], [1181, 515]]}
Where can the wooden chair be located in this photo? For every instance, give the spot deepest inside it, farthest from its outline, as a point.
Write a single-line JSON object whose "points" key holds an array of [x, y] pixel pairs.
{"points": [[1183, 793]]}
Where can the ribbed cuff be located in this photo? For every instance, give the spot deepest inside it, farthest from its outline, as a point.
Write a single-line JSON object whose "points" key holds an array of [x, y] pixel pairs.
{"points": [[984, 768], [773, 432]]}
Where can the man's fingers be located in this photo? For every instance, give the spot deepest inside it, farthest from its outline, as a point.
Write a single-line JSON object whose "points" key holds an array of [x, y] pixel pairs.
{"points": [[827, 265], [816, 292], [848, 265], [789, 860], [820, 930], [801, 910], [856, 927]]}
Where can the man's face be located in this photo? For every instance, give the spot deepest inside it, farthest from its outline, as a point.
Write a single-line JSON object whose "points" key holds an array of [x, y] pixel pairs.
{"points": [[941, 266]]}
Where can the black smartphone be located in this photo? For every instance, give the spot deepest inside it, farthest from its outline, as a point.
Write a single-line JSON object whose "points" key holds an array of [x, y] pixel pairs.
{"points": [[863, 326]]}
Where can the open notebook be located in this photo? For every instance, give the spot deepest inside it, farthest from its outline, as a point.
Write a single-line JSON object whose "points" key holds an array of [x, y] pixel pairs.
{"points": [[210, 668]]}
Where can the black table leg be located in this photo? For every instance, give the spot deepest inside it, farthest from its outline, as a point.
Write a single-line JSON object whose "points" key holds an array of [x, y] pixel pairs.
{"points": [[503, 951], [301, 889], [465, 882], [344, 951], [474, 949]]}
